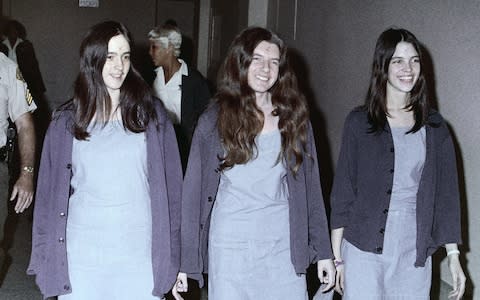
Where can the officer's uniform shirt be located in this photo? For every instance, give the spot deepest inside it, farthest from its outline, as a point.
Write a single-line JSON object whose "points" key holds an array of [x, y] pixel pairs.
{"points": [[15, 99]]}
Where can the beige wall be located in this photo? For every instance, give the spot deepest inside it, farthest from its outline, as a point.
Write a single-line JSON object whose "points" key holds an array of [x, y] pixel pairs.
{"points": [[336, 39]]}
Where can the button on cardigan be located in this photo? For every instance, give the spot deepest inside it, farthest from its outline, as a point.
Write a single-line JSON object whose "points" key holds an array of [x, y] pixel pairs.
{"points": [[363, 185], [49, 257], [309, 238]]}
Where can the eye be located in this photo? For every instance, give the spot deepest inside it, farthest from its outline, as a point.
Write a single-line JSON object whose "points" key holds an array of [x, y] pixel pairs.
{"points": [[109, 57], [416, 60], [126, 57], [275, 62], [396, 61]]}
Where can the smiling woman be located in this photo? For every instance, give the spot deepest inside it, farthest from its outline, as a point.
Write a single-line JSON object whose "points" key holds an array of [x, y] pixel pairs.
{"points": [[116, 66], [106, 220], [395, 197], [260, 216]]}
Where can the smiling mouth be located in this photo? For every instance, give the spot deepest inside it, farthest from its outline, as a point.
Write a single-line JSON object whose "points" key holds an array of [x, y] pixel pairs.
{"points": [[262, 78], [408, 78]]}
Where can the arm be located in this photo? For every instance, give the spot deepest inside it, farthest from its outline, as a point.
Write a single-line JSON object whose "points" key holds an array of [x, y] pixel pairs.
{"points": [[191, 208], [337, 236], [174, 185], [456, 270], [343, 193], [317, 225], [23, 187], [43, 198]]}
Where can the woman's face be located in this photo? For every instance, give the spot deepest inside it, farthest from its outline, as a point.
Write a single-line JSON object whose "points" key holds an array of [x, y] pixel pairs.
{"points": [[404, 68], [263, 70], [158, 53], [117, 63]]}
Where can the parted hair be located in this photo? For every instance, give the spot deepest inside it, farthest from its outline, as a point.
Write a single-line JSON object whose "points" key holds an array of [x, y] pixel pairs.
{"points": [[91, 100], [239, 118], [376, 100]]}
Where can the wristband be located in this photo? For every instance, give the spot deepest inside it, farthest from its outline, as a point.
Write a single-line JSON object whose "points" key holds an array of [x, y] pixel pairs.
{"points": [[338, 262], [453, 252]]}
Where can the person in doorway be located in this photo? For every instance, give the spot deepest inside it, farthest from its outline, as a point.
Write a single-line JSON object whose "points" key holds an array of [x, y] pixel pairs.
{"points": [[253, 216], [395, 197], [181, 88], [107, 215]]}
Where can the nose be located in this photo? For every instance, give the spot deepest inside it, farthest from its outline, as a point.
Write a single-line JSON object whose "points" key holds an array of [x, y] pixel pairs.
{"points": [[266, 66], [118, 63], [408, 66]]}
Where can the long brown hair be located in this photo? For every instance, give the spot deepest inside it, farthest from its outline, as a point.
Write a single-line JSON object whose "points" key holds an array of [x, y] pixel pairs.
{"points": [[91, 98], [239, 118]]}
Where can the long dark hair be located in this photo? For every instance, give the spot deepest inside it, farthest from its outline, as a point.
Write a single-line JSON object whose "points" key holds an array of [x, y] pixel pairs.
{"points": [[376, 100], [91, 98], [239, 118]]}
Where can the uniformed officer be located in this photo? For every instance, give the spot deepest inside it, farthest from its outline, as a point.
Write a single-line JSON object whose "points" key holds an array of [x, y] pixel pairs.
{"points": [[16, 103]]}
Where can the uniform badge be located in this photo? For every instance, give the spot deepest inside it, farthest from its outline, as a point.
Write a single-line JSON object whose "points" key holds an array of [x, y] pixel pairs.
{"points": [[28, 96], [19, 75]]}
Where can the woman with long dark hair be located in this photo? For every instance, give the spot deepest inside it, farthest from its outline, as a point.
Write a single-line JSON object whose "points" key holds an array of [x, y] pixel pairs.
{"points": [[252, 213], [107, 218], [395, 197]]}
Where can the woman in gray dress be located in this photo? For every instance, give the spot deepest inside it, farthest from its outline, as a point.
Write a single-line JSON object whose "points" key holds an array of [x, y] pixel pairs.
{"points": [[107, 218], [253, 215], [395, 197]]}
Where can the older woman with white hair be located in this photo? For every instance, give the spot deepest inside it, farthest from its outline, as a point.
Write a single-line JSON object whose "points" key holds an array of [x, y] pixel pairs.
{"points": [[182, 89]]}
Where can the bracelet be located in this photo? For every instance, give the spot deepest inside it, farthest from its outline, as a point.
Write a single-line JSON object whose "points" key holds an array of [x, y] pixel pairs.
{"points": [[338, 262], [453, 252], [28, 169]]}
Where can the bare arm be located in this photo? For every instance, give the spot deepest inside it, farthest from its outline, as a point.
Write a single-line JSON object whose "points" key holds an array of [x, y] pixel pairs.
{"points": [[456, 270], [23, 187], [336, 237]]}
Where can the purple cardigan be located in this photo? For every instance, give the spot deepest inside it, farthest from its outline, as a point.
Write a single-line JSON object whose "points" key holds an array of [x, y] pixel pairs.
{"points": [[363, 185], [49, 256], [309, 237]]}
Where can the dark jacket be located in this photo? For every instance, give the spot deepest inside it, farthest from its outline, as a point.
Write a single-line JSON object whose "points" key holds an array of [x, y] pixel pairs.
{"points": [[28, 65], [309, 238], [363, 185], [49, 257], [195, 98]]}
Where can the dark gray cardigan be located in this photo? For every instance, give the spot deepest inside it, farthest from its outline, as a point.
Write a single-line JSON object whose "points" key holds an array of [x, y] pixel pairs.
{"points": [[309, 238], [49, 254], [363, 185]]}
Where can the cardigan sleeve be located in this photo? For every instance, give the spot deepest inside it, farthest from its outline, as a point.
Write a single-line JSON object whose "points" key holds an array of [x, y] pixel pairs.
{"points": [[191, 197], [318, 235], [446, 222], [173, 175], [344, 183], [43, 194]]}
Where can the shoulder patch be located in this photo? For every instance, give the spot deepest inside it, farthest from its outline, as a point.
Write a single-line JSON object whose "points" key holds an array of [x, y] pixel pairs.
{"points": [[19, 75], [28, 97]]}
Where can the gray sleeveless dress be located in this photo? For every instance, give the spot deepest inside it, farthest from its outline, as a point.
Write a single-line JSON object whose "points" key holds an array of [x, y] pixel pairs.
{"points": [[392, 274], [109, 217], [249, 239]]}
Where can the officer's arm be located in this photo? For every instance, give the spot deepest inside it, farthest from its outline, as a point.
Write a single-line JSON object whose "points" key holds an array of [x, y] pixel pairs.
{"points": [[23, 188]]}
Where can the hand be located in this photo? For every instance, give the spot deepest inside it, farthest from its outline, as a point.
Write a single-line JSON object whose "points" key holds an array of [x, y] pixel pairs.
{"points": [[340, 279], [326, 273], [458, 277], [180, 286], [23, 191]]}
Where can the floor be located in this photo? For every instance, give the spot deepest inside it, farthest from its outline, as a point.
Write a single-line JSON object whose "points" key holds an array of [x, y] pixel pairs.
{"points": [[15, 283]]}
